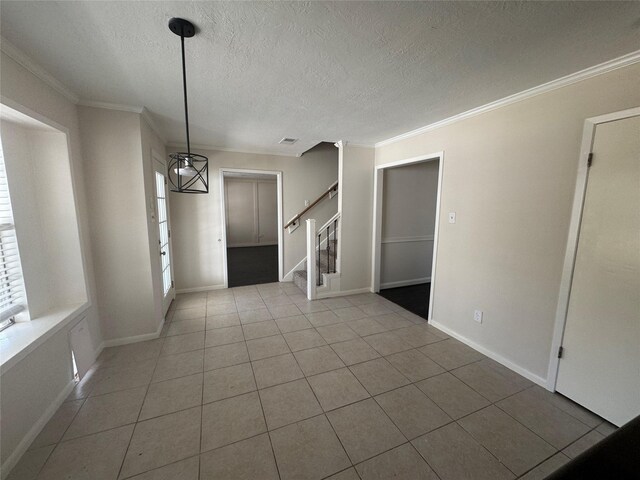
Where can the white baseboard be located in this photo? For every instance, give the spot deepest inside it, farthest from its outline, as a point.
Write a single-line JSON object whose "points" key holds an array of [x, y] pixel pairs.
{"points": [[492, 355], [116, 342], [344, 293], [33, 432], [200, 289], [405, 283], [289, 276]]}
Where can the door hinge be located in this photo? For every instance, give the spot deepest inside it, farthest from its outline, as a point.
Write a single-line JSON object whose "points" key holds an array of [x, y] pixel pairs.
{"points": [[589, 159], [165, 180], [169, 233], [560, 351], [171, 283]]}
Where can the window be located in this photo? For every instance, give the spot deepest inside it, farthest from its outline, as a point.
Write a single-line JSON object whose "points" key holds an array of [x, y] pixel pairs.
{"points": [[12, 298]]}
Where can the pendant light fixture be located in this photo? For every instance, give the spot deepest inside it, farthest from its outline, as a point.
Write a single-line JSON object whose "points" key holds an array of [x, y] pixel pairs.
{"points": [[188, 172]]}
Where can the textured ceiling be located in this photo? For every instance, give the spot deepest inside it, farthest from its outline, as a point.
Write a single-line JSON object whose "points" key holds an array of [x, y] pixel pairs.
{"points": [[358, 71]]}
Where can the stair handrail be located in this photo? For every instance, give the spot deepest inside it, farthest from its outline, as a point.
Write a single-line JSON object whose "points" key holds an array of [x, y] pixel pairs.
{"points": [[332, 188], [329, 222]]}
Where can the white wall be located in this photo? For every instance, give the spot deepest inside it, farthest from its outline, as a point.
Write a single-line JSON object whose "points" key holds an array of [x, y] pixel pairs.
{"points": [[118, 204], [251, 212], [510, 174], [356, 193], [39, 380], [408, 222], [196, 219]]}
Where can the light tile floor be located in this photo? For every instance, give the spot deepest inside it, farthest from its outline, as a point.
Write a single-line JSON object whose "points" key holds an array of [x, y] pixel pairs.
{"points": [[258, 383]]}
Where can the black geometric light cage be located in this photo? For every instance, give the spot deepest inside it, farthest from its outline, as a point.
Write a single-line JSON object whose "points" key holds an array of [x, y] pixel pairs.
{"points": [[188, 172]]}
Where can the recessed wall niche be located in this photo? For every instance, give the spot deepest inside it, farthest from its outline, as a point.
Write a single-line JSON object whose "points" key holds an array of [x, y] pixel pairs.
{"points": [[44, 209]]}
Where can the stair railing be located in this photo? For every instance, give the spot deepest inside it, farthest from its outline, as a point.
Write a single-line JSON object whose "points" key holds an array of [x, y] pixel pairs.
{"points": [[295, 221], [323, 239]]}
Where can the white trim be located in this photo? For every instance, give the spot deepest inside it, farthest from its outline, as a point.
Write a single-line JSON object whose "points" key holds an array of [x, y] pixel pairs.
{"points": [[620, 62], [196, 146], [223, 217], [201, 289], [116, 342], [405, 283], [588, 134], [420, 238], [343, 293], [28, 63], [492, 355], [378, 181], [35, 430], [340, 145]]}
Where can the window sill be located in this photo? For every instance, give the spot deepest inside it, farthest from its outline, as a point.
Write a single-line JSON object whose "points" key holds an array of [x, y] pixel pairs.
{"points": [[22, 338]]}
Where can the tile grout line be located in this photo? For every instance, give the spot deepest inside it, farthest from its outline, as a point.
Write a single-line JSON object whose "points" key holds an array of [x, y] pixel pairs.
{"points": [[133, 431]]}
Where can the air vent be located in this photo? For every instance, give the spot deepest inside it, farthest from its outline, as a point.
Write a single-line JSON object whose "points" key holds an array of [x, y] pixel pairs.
{"points": [[288, 141]]}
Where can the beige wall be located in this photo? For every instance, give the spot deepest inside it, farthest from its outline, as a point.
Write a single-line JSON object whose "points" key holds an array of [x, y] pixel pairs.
{"points": [[37, 164], [408, 222], [356, 196], [36, 383], [196, 222], [509, 174], [112, 148]]}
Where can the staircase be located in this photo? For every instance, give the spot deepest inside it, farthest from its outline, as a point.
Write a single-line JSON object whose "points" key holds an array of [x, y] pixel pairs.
{"points": [[325, 264]]}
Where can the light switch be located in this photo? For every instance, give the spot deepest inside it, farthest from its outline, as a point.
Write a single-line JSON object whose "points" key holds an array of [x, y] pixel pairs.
{"points": [[452, 217]]}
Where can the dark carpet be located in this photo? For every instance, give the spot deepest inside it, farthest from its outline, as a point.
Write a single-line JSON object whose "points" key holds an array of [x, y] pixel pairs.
{"points": [[414, 298], [252, 265]]}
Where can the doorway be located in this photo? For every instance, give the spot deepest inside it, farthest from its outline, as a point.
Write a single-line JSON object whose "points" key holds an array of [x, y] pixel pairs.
{"points": [[598, 327], [164, 233], [252, 226], [405, 233]]}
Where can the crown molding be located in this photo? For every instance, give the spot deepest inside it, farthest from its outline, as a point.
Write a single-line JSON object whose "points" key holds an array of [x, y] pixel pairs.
{"points": [[111, 106], [27, 62], [195, 146], [620, 62]]}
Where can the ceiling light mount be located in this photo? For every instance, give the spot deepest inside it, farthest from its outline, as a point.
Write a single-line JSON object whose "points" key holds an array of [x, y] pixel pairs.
{"points": [[182, 28], [188, 172]]}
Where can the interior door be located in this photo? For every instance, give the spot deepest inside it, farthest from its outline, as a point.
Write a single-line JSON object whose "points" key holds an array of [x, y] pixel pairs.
{"points": [[164, 246], [267, 213], [240, 213], [600, 366]]}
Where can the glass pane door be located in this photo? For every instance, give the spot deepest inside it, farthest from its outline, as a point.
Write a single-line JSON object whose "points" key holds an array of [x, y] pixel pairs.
{"points": [[163, 225]]}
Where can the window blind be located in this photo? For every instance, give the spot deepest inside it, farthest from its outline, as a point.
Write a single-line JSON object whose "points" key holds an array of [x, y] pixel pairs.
{"points": [[12, 298]]}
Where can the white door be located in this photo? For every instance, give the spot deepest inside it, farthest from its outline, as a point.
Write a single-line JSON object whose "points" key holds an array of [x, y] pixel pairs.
{"points": [[267, 213], [164, 248], [600, 365]]}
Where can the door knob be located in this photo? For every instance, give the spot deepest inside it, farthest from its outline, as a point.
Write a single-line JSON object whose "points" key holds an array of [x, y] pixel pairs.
{"points": [[163, 253]]}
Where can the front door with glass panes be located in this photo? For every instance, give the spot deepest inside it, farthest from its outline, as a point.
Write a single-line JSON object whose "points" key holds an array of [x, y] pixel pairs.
{"points": [[164, 237]]}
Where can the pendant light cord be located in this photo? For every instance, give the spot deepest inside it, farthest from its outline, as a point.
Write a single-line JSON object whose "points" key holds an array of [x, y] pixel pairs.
{"points": [[184, 85]]}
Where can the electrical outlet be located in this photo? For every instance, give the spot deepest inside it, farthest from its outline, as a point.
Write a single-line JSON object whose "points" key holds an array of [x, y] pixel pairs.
{"points": [[306, 203], [452, 217], [477, 316]]}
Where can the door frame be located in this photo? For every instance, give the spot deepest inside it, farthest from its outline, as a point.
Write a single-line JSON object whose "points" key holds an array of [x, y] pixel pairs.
{"points": [[376, 247], [588, 134], [223, 217], [156, 157]]}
